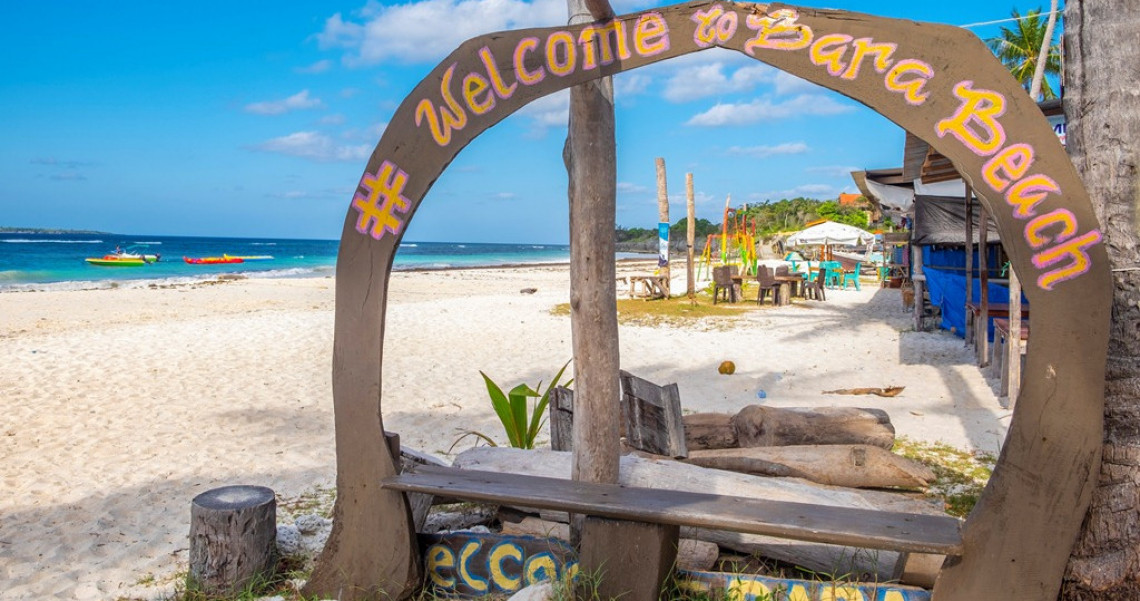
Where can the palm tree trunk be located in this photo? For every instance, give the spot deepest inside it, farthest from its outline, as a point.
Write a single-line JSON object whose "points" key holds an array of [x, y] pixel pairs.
{"points": [[1103, 111], [1043, 54]]}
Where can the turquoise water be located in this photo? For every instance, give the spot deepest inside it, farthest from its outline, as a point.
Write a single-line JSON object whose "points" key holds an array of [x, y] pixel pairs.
{"points": [[56, 261]]}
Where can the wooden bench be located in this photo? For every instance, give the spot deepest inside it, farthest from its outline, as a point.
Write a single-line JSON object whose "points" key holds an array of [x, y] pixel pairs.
{"points": [[652, 286], [863, 528]]}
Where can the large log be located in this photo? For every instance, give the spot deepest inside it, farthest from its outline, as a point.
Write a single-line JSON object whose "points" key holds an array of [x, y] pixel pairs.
{"points": [[759, 426], [856, 466], [649, 473], [233, 538]]}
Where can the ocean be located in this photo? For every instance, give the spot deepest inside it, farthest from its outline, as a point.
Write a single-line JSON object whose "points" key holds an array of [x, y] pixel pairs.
{"points": [[56, 261]]}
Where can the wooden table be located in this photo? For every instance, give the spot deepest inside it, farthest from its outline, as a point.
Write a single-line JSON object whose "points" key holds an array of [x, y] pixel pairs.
{"points": [[794, 284], [976, 328], [1001, 357], [653, 286]]}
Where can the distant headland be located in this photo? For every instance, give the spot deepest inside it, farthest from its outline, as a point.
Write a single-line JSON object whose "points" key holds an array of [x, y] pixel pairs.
{"points": [[42, 230]]}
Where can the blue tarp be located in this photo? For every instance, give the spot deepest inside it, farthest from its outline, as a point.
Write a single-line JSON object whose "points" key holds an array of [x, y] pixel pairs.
{"points": [[948, 293]]}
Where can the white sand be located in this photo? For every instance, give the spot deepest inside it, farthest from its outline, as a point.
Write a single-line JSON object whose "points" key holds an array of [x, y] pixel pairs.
{"points": [[118, 406]]}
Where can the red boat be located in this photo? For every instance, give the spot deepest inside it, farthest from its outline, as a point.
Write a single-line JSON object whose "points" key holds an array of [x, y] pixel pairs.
{"points": [[212, 260]]}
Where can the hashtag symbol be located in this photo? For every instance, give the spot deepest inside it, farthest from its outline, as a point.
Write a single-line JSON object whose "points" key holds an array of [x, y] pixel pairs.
{"points": [[384, 197]]}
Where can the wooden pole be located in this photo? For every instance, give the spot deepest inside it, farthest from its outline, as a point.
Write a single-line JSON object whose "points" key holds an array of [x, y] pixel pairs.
{"points": [[1013, 346], [663, 217], [590, 157], [984, 285], [691, 233], [971, 333]]}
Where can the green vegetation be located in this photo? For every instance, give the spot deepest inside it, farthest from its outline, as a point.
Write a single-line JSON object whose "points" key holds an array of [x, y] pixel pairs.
{"points": [[959, 476], [40, 230], [1018, 48], [770, 218], [513, 411]]}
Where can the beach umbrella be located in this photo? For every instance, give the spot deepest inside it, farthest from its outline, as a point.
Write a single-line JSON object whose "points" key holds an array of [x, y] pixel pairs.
{"points": [[831, 233]]}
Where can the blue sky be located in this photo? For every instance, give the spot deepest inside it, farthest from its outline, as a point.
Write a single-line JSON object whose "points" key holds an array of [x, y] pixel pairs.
{"points": [[234, 119]]}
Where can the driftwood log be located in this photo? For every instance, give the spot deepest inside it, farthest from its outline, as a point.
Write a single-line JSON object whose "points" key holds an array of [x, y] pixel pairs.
{"points": [[759, 426], [233, 538], [856, 466], [668, 474]]}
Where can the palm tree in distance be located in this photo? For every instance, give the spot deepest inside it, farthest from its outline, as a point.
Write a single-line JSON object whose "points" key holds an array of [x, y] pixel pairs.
{"points": [[1019, 46]]}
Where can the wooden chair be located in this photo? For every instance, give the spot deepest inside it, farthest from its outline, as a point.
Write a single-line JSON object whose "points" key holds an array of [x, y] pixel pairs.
{"points": [[722, 282], [852, 276], [768, 284], [814, 289]]}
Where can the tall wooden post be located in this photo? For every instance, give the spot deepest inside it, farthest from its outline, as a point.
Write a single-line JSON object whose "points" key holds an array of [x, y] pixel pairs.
{"points": [[691, 235], [983, 285], [1013, 346], [663, 217], [971, 333], [590, 157]]}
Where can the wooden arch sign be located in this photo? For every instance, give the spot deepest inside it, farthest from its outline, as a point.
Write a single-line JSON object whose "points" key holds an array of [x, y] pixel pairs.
{"points": [[937, 82]]}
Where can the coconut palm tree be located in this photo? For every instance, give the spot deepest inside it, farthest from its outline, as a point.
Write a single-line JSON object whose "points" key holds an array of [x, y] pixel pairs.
{"points": [[1019, 47], [1103, 113]]}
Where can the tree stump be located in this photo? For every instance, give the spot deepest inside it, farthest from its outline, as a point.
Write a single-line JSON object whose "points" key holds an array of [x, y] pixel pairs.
{"points": [[233, 538]]}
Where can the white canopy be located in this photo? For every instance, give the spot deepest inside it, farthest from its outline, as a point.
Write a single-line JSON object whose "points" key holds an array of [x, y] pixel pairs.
{"points": [[830, 232]]}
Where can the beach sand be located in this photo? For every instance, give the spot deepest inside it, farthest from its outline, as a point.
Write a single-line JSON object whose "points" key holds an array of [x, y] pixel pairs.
{"points": [[119, 406]]}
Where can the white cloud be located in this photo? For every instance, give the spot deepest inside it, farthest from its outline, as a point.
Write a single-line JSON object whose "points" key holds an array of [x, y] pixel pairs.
{"points": [[316, 146], [700, 81], [426, 31], [505, 195], [335, 119], [767, 151], [833, 170], [547, 112], [318, 67], [786, 83], [763, 109], [817, 191], [628, 84], [297, 101], [629, 188]]}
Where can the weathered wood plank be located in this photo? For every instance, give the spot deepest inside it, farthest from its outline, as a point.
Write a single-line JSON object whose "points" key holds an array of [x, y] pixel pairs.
{"points": [[652, 416], [562, 419], [799, 521]]}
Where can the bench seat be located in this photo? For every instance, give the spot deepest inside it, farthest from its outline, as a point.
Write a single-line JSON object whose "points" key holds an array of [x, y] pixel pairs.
{"points": [[864, 528]]}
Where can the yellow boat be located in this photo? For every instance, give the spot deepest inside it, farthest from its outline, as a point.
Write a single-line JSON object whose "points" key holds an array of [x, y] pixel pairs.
{"points": [[116, 261]]}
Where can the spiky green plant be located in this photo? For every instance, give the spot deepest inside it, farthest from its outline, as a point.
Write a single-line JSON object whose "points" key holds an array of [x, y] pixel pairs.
{"points": [[521, 424]]}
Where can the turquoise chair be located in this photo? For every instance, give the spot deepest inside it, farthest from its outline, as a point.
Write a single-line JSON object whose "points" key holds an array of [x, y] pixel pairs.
{"points": [[834, 275], [853, 276]]}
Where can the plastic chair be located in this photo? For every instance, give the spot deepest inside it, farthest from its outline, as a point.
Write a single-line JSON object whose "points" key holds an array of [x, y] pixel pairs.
{"points": [[722, 282], [852, 276], [834, 273], [768, 284]]}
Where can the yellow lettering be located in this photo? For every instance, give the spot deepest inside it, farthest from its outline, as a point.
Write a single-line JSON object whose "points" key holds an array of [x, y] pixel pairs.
{"points": [[840, 593], [540, 567], [499, 553], [1025, 194], [893, 596], [743, 590], [829, 50], [911, 89], [439, 560], [651, 35], [799, 592], [470, 580], [501, 89], [564, 39], [474, 85], [453, 119], [1062, 217], [705, 32], [527, 77], [1074, 250], [595, 40], [866, 47], [777, 31], [979, 109], [1014, 161]]}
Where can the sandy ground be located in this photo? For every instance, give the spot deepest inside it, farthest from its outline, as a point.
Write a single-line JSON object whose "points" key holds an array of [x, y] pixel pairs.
{"points": [[118, 406]]}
